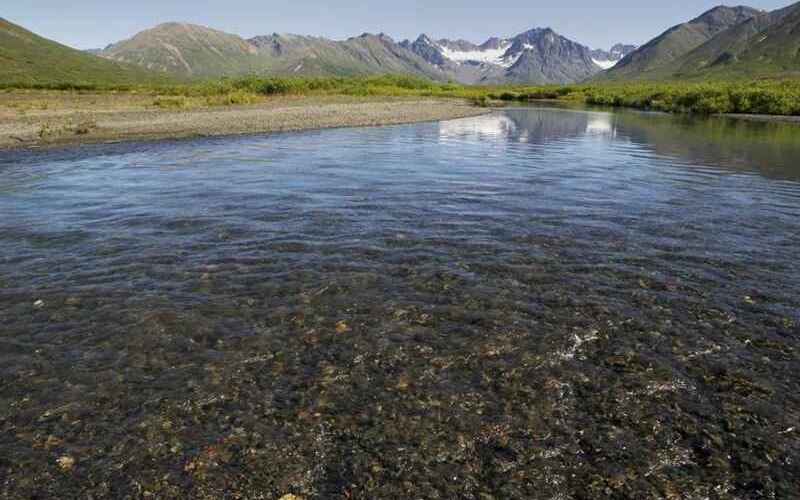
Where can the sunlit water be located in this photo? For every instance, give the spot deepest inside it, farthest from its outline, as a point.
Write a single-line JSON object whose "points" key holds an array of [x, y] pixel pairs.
{"points": [[527, 304]]}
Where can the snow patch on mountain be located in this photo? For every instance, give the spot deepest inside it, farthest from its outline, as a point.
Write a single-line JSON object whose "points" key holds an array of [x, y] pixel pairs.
{"points": [[605, 64], [609, 59], [491, 56]]}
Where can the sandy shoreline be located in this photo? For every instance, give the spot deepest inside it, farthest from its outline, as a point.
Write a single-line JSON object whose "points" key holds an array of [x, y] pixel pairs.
{"points": [[75, 124]]}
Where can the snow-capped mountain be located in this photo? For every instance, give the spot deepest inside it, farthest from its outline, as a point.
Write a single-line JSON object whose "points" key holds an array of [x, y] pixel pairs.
{"points": [[539, 56], [609, 59], [441, 52]]}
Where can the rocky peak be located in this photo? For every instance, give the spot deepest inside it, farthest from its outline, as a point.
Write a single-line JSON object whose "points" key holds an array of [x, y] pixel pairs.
{"points": [[426, 48], [493, 43], [545, 40], [458, 45], [607, 59], [621, 50], [723, 17]]}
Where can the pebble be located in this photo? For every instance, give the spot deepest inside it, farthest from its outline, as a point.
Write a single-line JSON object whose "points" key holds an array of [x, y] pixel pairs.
{"points": [[52, 442], [66, 463]]}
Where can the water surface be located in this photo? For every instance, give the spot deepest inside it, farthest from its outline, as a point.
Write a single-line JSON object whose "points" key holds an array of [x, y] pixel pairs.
{"points": [[537, 303]]}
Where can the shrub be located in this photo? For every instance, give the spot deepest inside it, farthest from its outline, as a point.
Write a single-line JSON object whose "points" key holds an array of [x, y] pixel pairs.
{"points": [[170, 102]]}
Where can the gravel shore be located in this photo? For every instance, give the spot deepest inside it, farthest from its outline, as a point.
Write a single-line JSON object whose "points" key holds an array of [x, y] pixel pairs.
{"points": [[76, 125]]}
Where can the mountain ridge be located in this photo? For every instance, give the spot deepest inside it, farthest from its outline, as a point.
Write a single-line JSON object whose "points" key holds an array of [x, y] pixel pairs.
{"points": [[741, 42], [678, 41], [771, 47], [537, 56], [721, 43]]}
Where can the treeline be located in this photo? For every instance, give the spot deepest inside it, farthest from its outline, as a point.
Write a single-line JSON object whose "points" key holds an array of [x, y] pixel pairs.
{"points": [[382, 85], [762, 97]]}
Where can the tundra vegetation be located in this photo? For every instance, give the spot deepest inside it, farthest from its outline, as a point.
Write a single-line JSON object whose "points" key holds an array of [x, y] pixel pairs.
{"points": [[770, 97]]}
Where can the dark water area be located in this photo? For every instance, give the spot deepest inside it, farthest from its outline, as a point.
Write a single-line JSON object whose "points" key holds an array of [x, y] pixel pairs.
{"points": [[537, 303]]}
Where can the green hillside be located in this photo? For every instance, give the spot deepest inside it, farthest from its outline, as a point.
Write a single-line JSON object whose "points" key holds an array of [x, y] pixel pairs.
{"points": [[652, 60], [188, 50], [756, 45], [771, 53], [27, 59], [721, 50]]}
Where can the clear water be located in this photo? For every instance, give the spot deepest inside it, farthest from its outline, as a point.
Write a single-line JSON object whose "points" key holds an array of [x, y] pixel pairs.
{"points": [[529, 304]]}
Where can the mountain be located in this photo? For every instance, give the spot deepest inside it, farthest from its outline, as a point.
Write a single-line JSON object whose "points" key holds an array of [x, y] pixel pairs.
{"points": [[26, 58], [609, 59], [362, 55], [652, 59], [187, 50], [538, 56], [201, 52], [463, 61], [722, 43], [724, 48], [544, 57], [767, 46], [761, 45]]}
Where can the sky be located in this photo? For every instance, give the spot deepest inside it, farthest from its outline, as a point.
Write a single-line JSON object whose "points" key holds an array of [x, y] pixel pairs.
{"points": [[88, 24]]}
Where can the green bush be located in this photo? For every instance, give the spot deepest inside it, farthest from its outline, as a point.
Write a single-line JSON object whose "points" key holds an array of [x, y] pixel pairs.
{"points": [[170, 102], [763, 97], [768, 97]]}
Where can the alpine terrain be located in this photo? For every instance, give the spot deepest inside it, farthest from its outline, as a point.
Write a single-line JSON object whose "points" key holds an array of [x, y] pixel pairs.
{"points": [[609, 59], [650, 60], [538, 56], [722, 44]]}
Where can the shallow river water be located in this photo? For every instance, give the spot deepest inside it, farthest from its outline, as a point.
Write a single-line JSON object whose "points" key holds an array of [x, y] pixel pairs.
{"points": [[537, 303]]}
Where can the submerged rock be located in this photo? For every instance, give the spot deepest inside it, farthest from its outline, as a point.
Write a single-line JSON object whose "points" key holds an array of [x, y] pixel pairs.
{"points": [[66, 463]]}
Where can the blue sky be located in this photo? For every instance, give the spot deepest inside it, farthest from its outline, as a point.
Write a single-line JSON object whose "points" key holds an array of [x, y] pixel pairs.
{"points": [[599, 24]]}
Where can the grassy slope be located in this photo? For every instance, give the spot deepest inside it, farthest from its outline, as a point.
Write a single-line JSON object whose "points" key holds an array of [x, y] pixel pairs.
{"points": [[663, 49], [656, 60], [766, 46], [188, 50], [27, 59], [774, 52], [720, 50], [759, 48]]}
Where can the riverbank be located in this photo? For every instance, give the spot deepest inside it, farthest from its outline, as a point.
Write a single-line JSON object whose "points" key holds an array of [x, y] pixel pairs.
{"points": [[39, 119], [772, 98]]}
